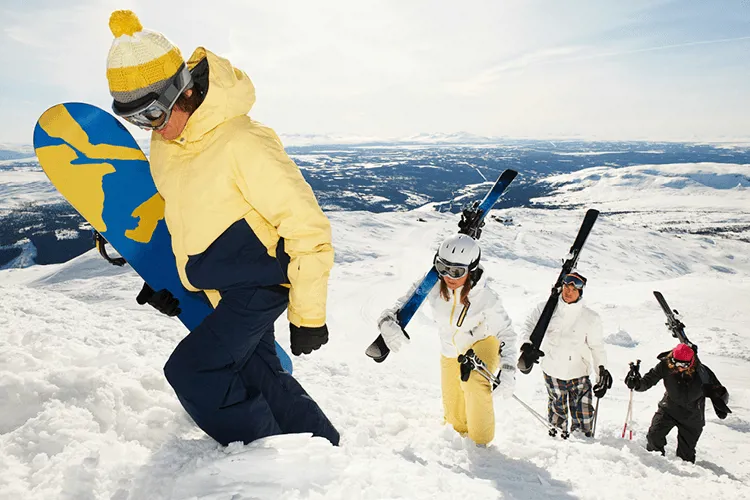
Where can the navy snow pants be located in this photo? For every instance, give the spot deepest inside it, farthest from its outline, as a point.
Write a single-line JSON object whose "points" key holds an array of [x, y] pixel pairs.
{"points": [[226, 372]]}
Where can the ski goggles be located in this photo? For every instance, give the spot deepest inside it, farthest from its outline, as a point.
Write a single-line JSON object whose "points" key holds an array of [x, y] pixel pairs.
{"points": [[573, 280], [682, 364], [155, 112], [445, 268]]}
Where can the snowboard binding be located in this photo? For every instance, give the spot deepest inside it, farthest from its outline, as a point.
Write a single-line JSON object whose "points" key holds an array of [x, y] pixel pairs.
{"points": [[472, 221], [100, 243]]}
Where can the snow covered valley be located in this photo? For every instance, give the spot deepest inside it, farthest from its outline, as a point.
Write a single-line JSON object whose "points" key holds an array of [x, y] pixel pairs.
{"points": [[87, 413]]}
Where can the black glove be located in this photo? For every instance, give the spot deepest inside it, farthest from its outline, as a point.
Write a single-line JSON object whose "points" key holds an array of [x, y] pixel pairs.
{"points": [[529, 356], [719, 396], [604, 383], [633, 378], [304, 339], [466, 364], [466, 369], [163, 300]]}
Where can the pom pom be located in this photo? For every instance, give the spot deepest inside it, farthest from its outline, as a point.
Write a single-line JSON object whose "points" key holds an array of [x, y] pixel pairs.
{"points": [[124, 22]]}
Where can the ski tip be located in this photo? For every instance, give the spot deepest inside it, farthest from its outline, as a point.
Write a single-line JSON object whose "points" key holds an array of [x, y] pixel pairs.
{"points": [[592, 212], [509, 175], [378, 350]]}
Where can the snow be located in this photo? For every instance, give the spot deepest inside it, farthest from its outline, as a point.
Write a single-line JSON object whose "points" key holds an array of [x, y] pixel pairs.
{"points": [[66, 234], [20, 187], [87, 413], [685, 186], [27, 254]]}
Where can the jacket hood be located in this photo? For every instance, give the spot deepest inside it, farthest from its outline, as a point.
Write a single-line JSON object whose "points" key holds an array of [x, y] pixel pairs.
{"points": [[230, 94]]}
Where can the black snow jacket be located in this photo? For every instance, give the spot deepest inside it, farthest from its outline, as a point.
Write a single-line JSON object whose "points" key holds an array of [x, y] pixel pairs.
{"points": [[685, 396]]}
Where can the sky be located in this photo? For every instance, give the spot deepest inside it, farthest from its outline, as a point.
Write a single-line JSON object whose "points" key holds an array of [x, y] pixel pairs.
{"points": [[653, 70]]}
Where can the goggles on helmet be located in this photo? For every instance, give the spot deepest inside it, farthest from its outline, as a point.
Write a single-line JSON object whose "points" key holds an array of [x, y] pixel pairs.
{"points": [[572, 279], [445, 268], [155, 113]]}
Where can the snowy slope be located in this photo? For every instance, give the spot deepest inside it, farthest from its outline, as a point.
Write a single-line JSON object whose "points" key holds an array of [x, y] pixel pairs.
{"points": [[20, 186], [683, 186], [87, 412]]}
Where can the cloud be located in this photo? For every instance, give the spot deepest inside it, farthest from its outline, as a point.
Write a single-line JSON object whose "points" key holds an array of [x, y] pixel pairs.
{"points": [[398, 68]]}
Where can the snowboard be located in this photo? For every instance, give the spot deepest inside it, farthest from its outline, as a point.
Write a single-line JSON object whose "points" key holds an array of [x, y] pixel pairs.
{"points": [[471, 223], [91, 158]]}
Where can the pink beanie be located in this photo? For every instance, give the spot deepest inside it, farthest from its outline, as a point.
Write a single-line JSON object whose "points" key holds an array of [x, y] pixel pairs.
{"points": [[682, 352]]}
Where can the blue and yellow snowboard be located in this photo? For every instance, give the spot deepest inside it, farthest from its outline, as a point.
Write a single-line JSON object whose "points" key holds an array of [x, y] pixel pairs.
{"points": [[98, 167]]}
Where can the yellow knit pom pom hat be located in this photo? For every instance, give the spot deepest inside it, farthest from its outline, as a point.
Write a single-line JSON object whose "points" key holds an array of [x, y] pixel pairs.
{"points": [[140, 61]]}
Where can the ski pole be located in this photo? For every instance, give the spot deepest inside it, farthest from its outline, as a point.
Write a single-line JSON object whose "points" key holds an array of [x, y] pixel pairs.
{"points": [[596, 414], [628, 427], [628, 416], [550, 428], [478, 365], [471, 360]]}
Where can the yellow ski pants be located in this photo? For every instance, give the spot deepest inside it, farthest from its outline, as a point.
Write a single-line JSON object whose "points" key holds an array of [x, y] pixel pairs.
{"points": [[468, 405]]}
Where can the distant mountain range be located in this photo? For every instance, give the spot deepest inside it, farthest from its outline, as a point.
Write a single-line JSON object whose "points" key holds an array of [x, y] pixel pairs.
{"points": [[300, 140], [10, 151], [440, 172]]}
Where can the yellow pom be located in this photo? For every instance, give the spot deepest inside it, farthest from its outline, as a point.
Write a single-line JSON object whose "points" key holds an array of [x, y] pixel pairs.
{"points": [[124, 22]]}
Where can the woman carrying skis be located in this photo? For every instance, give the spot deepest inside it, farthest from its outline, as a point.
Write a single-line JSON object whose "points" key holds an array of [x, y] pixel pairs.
{"points": [[684, 402], [574, 336], [469, 315], [246, 230]]}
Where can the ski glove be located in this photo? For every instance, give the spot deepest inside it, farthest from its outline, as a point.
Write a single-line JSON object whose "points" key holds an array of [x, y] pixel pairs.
{"points": [[603, 383], [633, 379], [393, 335], [529, 356], [719, 397], [163, 300], [306, 339], [465, 369]]}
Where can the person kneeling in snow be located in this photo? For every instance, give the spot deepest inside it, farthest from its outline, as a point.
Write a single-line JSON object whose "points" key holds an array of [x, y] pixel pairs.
{"points": [[684, 401], [246, 230], [574, 333], [469, 315]]}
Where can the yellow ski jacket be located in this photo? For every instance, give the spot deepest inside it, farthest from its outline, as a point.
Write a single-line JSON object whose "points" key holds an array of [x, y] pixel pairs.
{"points": [[225, 167]]}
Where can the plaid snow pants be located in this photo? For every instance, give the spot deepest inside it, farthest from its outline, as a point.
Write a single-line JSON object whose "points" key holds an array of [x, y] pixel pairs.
{"points": [[570, 396]]}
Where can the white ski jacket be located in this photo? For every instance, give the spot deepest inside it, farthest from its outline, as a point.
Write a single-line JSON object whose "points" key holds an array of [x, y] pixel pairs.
{"points": [[459, 326], [573, 338]]}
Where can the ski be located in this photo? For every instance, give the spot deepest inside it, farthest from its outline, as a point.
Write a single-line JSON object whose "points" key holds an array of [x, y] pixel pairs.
{"points": [[677, 328], [471, 223], [537, 335], [674, 324]]}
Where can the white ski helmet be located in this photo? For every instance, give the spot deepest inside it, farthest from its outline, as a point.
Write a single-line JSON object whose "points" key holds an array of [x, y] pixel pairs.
{"points": [[460, 249]]}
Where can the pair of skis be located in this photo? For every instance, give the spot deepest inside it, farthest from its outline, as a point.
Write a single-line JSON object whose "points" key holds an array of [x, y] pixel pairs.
{"points": [[471, 223]]}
